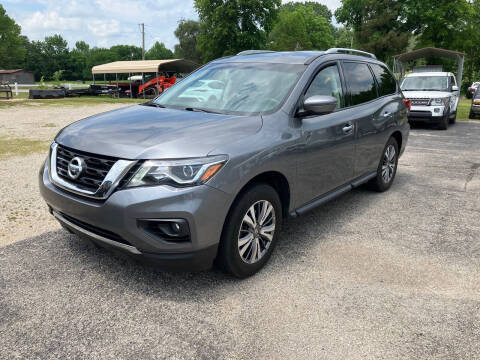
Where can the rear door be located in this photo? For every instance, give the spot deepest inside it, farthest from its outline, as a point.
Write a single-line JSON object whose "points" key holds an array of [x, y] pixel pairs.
{"points": [[373, 94]]}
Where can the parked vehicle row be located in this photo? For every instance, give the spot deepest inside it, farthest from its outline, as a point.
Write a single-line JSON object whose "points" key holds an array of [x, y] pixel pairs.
{"points": [[209, 169]]}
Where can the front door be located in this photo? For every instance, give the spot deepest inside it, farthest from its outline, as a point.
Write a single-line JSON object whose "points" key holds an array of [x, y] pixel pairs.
{"points": [[328, 141]]}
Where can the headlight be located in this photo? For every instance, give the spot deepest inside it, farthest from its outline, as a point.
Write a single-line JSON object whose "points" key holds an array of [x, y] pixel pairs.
{"points": [[438, 101], [186, 172]]}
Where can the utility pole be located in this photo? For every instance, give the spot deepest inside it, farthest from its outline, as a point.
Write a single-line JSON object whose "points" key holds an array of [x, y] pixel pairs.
{"points": [[143, 41]]}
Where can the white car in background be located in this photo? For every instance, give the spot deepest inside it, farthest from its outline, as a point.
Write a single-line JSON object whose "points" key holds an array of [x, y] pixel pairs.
{"points": [[433, 96]]}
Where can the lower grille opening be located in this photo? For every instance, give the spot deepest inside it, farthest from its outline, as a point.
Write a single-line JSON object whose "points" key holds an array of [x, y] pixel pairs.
{"points": [[98, 231]]}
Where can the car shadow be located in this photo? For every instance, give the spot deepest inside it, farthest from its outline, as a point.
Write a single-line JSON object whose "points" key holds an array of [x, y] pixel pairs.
{"points": [[68, 256]]}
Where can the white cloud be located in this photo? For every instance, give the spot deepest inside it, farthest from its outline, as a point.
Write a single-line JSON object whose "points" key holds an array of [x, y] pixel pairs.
{"points": [[106, 22]]}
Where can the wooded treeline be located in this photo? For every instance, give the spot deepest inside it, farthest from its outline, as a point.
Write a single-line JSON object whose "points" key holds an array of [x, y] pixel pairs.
{"points": [[226, 27]]}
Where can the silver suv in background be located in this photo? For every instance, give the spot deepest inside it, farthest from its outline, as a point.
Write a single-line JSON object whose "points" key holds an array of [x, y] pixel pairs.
{"points": [[433, 96], [186, 180]]}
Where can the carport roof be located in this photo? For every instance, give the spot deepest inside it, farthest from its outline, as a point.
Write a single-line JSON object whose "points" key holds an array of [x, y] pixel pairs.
{"points": [[145, 66], [429, 51]]}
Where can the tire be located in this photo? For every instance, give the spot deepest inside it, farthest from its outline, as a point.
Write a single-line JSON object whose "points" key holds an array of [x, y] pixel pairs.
{"points": [[239, 259], [443, 125], [380, 182], [453, 119], [471, 116]]}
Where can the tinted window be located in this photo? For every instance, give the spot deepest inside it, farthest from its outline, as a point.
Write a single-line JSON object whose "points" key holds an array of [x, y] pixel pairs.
{"points": [[386, 82], [360, 83], [327, 82]]}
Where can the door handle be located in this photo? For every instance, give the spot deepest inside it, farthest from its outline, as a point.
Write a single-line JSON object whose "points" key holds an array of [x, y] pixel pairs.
{"points": [[347, 128]]}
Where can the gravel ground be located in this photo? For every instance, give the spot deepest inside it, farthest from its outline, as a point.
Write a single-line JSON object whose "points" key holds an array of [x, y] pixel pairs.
{"points": [[392, 275], [20, 201]]}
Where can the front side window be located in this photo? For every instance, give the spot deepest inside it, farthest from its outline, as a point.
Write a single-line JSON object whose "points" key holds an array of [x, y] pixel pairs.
{"points": [[234, 88], [425, 83], [360, 83], [327, 82], [387, 84]]}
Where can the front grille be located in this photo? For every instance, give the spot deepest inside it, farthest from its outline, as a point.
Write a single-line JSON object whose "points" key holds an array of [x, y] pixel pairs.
{"points": [[97, 167], [419, 101]]}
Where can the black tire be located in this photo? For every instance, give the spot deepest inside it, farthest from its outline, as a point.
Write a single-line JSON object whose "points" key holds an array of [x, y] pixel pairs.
{"points": [[443, 125], [229, 258], [471, 115], [453, 119], [378, 183]]}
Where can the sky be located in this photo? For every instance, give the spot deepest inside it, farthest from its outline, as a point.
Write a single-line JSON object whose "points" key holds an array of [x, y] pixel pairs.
{"points": [[105, 23]]}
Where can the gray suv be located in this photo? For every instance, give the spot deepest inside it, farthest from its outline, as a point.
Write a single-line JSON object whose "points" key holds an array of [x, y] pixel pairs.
{"points": [[208, 170]]}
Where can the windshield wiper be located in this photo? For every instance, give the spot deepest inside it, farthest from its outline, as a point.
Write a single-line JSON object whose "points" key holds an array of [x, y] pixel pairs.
{"points": [[201, 110], [154, 105]]}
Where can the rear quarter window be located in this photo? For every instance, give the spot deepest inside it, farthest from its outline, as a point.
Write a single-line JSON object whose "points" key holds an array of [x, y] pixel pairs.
{"points": [[387, 84], [360, 83]]}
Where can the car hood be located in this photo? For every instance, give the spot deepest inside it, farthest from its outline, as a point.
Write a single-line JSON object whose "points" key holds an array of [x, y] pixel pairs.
{"points": [[144, 132], [425, 94]]}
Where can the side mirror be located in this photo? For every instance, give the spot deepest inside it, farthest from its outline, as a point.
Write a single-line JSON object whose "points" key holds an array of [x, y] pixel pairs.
{"points": [[455, 88], [320, 104]]}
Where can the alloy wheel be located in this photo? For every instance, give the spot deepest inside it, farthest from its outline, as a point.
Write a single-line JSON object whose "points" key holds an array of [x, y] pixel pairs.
{"points": [[256, 231], [389, 164]]}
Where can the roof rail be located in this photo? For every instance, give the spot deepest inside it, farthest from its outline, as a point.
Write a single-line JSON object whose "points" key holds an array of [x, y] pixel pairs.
{"points": [[350, 51], [252, 52]]}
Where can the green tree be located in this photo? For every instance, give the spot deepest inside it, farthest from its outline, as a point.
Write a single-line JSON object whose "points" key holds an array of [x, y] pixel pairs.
{"points": [[301, 29], [126, 52], [319, 9], [187, 33], [78, 59], [12, 45], [379, 25], [55, 55], [158, 52], [230, 26], [343, 37]]}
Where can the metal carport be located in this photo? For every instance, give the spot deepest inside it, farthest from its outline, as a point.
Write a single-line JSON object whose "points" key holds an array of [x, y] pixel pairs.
{"points": [[399, 61]]}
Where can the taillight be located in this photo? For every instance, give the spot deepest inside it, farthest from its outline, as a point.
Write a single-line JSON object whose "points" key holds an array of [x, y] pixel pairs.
{"points": [[407, 103]]}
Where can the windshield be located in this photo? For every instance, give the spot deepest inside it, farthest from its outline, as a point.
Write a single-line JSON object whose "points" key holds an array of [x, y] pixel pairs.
{"points": [[425, 83], [234, 88]]}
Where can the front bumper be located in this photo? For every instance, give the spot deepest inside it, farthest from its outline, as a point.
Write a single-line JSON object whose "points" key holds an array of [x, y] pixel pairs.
{"points": [[113, 223], [430, 114], [475, 109]]}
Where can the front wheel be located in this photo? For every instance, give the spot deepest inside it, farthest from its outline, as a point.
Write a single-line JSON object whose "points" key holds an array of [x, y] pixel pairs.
{"points": [[453, 119], [387, 168], [471, 115], [443, 125], [250, 231]]}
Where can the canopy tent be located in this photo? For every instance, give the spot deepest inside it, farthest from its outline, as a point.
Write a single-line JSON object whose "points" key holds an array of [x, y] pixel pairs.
{"points": [[400, 60], [146, 66]]}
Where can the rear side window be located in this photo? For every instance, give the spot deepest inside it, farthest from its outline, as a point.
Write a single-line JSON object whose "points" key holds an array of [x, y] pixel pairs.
{"points": [[387, 84], [360, 83]]}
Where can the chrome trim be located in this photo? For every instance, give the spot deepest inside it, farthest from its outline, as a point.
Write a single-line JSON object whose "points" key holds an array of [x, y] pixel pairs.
{"points": [[108, 185], [129, 248]]}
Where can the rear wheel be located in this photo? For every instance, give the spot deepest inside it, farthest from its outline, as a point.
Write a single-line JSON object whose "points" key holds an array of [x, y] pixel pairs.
{"points": [[387, 168], [250, 231]]}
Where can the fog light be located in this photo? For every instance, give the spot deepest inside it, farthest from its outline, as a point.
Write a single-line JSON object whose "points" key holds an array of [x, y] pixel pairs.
{"points": [[166, 229], [437, 110]]}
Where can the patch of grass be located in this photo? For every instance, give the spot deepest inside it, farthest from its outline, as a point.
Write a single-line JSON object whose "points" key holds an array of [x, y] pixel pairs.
{"points": [[463, 109], [10, 147], [49, 125], [74, 101]]}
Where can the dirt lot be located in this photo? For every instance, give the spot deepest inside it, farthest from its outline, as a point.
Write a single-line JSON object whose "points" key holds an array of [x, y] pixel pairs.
{"points": [[393, 275], [29, 130]]}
